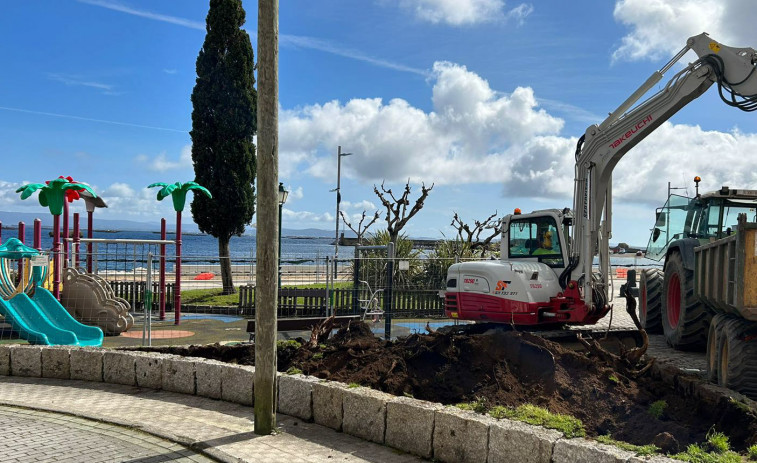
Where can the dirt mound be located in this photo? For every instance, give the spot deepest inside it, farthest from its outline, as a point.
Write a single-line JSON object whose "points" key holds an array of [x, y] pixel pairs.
{"points": [[509, 368]]}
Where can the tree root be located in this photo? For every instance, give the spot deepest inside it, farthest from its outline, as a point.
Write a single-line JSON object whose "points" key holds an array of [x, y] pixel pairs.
{"points": [[628, 363], [321, 331]]}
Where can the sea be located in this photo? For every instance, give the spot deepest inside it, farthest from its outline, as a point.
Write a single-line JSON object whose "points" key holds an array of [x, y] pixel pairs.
{"points": [[196, 245], [295, 250]]}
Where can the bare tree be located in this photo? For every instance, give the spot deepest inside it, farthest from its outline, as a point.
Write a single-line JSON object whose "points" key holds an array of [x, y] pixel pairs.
{"points": [[397, 213], [360, 229], [472, 235]]}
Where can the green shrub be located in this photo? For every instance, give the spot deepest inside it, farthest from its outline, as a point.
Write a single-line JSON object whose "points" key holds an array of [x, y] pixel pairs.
{"points": [[718, 441], [288, 343], [658, 408], [697, 454], [294, 371], [751, 452]]}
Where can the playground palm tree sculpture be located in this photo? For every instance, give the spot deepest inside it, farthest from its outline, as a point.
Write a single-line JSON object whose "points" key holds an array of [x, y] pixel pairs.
{"points": [[178, 192], [53, 194]]}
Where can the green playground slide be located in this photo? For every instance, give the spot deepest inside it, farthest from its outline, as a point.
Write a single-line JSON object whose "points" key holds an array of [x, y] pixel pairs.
{"points": [[45, 321], [59, 316]]}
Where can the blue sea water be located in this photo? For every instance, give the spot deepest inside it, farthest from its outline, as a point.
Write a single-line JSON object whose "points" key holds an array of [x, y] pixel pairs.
{"points": [[198, 246]]}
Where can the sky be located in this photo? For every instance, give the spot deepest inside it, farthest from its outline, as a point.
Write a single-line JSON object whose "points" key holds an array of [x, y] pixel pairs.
{"points": [[483, 99]]}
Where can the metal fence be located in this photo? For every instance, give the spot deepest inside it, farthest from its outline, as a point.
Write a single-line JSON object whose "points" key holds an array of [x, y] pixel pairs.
{"points": [[189, 309]]}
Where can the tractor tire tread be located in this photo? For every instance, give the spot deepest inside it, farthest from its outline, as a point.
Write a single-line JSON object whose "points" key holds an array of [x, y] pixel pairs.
{"points": [[694, 322], [713, 346], [742, 361], [650, 285]]}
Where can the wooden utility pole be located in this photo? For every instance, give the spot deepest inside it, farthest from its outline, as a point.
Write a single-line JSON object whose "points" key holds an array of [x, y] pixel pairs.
{"points": [[267, 221]]}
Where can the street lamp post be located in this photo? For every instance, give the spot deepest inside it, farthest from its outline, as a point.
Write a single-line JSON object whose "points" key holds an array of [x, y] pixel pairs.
{"points": [[339, 156], [283, 193]]}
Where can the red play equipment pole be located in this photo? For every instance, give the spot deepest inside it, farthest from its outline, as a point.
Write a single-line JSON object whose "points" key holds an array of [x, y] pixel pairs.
{"points": [[21, 237], [177, 286], [163, 269], [38, 234], [65, 232], [56, 256], [75, 252], [90, 234]]}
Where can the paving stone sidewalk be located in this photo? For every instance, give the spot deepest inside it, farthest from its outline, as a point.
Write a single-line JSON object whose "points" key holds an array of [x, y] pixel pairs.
{"points": [[44, 437], [216, 429]]}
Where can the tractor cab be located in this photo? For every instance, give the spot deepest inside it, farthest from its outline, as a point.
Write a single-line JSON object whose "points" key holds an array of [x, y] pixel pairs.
{"points": [[705, 217]]}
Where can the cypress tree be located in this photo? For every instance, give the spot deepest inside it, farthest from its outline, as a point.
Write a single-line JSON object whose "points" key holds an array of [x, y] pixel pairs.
{"points": [[224, 122]]}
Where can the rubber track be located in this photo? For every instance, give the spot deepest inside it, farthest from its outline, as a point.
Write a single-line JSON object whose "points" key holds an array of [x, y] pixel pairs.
{"points": [[742, 355], [694, 321], [650, 281]]}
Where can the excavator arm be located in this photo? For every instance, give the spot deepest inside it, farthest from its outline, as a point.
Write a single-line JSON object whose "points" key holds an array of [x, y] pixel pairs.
{"points": [[603, 145]]}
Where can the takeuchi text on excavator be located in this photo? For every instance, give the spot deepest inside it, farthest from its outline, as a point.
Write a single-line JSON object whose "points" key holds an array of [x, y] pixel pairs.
{"points": [[546, 274]]}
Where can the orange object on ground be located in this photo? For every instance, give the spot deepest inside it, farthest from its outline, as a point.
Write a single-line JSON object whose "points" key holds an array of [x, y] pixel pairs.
{"points": [[204, 276]]}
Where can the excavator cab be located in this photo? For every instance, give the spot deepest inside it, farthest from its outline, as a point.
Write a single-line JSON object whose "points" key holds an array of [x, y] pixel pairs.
{"points": [[535, 236]]}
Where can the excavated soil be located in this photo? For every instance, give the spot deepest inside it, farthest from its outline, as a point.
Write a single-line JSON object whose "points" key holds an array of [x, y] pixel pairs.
{"points": [[509, 368]]}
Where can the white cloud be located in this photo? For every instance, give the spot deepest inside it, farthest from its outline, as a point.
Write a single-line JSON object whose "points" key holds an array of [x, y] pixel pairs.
{"points": [[678, 152], [295, 193], [363, 205], [465, 12], [477, 135], [116, 6], [520, 13], [659, 28], [473, 135], [161, 162], [306, 217], [133, 203], [80, 81]]}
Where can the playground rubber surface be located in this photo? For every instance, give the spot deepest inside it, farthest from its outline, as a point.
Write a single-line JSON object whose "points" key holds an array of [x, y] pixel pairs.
{"points": [[160, 334]]}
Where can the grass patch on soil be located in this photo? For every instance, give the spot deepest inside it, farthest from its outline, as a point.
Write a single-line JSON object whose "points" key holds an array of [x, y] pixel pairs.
{"points": [[717, 449], [479, 405], [751, 452], [639, 450], [531, 414], [658, 408]]}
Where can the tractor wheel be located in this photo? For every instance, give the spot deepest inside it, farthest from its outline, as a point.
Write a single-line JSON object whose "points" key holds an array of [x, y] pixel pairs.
{"points": [[650, 300], [713, 346], [737, 368], [685, 319]]}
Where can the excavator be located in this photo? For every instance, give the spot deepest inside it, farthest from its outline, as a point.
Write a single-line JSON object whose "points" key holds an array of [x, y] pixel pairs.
{"points": [[547, 275]]}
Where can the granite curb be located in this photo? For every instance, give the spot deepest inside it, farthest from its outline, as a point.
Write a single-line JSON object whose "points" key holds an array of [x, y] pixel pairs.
{"points": [[428, 430]]}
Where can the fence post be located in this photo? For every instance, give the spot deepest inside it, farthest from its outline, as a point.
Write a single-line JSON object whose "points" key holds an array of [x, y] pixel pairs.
{"points": [[388, 291], [162, 278], [356, 282]]}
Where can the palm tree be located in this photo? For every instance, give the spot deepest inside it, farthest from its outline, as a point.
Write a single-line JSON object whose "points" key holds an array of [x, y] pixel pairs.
{"points": [[53, 195], [178, 192]]}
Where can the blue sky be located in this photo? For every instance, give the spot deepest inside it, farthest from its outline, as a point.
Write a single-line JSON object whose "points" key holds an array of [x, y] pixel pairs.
{"points": [[483, 98]]}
